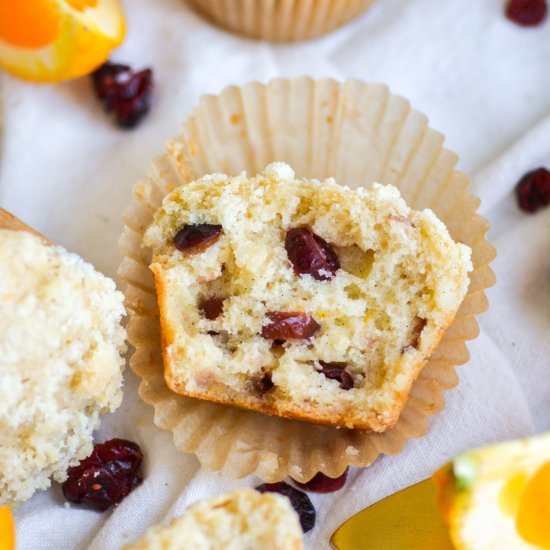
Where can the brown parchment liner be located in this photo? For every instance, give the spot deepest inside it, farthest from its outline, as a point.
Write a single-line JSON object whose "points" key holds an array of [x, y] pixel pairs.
{"points": [[280, 20], [358, 133]]}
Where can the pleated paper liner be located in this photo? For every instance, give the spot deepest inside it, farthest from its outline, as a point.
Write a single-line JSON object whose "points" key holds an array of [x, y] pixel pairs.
{"points": [[358, 133], [280, 20]]}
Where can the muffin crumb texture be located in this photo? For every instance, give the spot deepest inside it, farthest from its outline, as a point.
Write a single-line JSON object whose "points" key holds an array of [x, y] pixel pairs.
{"points": [[241, 520], [313, 301], [60, 361]]}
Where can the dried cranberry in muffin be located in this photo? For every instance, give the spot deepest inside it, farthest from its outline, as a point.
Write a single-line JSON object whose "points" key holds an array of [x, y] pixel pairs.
{"points": [[290, 325], [196, 238], [300, 502], [310, 254], [337, 371], [211, 307], [106, 477]]}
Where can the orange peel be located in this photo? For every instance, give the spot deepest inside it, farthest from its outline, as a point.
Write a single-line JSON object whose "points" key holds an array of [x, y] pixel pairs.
{"points": [[7, 529]]}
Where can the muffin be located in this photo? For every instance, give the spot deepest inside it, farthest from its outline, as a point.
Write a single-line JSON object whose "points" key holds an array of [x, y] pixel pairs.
{"points": [[241, 520], [282, 20], [300, 298], [61, 362]]}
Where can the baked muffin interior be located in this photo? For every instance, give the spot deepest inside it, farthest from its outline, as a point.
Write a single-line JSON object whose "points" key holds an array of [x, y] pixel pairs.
{"points": [[301, 298]]}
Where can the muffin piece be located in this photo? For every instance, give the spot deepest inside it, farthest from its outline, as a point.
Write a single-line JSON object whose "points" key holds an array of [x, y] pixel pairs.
{"points": [[241, 520], [60, 361], [301, 298]]}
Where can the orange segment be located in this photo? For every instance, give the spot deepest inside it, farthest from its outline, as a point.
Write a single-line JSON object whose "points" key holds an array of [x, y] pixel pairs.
{"points": [[54, 40], [7, 529], [29, 23], [533, 519], [81, 5]]}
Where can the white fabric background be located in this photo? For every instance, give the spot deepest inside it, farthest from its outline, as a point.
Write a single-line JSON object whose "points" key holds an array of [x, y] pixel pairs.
{"points": [[67, 171]]}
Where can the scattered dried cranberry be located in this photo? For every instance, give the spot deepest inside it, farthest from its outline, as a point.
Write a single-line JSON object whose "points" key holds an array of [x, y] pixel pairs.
{"points": [[337, 371], [300, 502], [290, 325], [311, 255], [263, 384], [107, 476], [124, 91], [212, 307], [533, 190], [526, 13], [197, 238], [321, 483]]}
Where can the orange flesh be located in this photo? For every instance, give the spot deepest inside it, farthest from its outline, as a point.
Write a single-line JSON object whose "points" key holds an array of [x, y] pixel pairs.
{"points": [[81, 5], [511, 493], [533, 518], [29, 23]]}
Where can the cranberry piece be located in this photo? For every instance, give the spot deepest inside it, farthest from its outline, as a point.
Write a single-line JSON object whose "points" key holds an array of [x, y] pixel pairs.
{"points": [[526, 13], [337, 371], [311, 255], [212, 307], [290, 325], [263, 384], [300, 502], [419, 324], [321, 483], [197, 237], [106, 477], [124, 91], [533, 190]]}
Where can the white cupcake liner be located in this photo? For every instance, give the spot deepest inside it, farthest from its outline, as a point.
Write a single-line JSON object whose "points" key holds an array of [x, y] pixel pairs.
{"points": [[358, 133]]}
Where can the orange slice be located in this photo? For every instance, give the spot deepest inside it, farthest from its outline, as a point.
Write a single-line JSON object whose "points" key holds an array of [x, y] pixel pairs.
{"points": [[7, 529], [54, 40]]}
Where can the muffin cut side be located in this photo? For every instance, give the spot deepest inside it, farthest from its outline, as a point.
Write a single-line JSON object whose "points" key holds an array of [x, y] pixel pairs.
{"points": [[243, 519], [61, 348], [301, 298]]}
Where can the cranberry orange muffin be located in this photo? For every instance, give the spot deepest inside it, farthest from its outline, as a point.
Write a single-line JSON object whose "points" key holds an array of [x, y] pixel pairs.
{"points": [[301, 298], [241, 520], [61, 346]]}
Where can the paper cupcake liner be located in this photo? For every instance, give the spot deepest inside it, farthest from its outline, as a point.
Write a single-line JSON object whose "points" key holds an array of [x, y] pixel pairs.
{"points": [[281, 20], [357, 133]]}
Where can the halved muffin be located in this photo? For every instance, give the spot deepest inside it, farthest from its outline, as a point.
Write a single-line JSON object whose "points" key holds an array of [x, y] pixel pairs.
{"points": [[301, 298]]}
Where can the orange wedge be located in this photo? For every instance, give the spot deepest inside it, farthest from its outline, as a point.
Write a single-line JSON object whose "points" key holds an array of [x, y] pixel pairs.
{"points": [[7, 529], [55, 40]]}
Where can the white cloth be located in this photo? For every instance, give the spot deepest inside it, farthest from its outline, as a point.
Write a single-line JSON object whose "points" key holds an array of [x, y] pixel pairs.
{"points": [[67, 171]]}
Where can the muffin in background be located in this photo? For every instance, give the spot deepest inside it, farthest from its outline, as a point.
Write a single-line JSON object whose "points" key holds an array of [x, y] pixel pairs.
{"points": [[61, 346], [239, 520], [281, 20]]}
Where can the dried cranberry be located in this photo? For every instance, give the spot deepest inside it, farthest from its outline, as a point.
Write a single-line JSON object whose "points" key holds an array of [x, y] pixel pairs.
{"points": [[533, 190], [418, 327], [124, 91], [212, 307], [526, 13], [311, 255], [197, 237], [107, 476], [290, 325], [263, 383], [300, 502], [321, 483], [337, 371]]}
